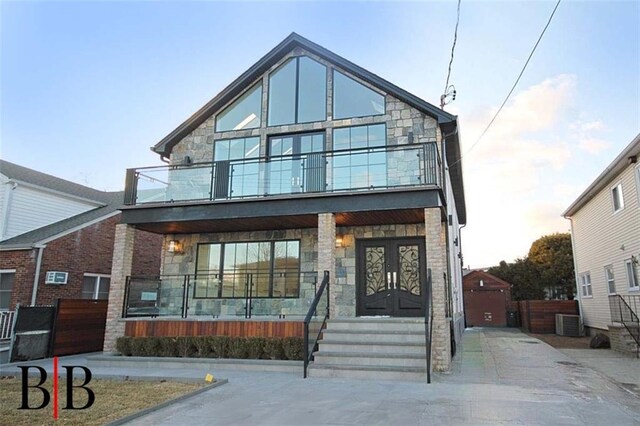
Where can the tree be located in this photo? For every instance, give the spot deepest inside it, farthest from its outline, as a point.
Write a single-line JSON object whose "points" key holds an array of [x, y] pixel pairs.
{"points": [[553, 255], [524, 276]]}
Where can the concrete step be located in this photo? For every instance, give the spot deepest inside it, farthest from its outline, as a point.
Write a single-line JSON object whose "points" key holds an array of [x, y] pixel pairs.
{"points": [[377, 324], [373, 336], [368, 372], [389, 359], [380, 347]]}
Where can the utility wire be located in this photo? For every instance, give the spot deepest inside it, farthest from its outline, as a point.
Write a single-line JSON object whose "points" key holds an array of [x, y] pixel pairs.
{"points": [[514, 85], [453, 48]]}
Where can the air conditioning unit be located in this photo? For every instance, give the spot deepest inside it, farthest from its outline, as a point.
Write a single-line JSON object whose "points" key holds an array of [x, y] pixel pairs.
{"points": [[56, 277], [569, 325]]}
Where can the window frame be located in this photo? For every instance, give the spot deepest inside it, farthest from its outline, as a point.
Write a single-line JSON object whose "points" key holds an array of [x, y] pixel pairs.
{"points": [[610, 280], [8, 271], [96, 287], [586, 289], [638, 184], [297, 92], [617, 189], [236, 99], [296, 138], [333, 96], [633, 276], [272, 268]]}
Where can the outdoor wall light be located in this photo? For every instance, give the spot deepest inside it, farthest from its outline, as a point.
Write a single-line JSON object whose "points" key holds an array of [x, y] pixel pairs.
{"points": [[175, 247], [339, 241]]}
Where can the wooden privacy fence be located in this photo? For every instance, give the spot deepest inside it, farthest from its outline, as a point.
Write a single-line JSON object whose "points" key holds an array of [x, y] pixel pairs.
{"points": [[539, 316], [79, 326]]}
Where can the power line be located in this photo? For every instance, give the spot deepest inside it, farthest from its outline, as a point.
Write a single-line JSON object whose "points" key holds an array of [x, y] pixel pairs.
{"points": [[453, 48], [514, 84]]}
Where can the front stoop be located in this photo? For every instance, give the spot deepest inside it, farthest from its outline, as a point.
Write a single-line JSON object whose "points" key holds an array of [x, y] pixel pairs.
{"points": [[372, 348]]}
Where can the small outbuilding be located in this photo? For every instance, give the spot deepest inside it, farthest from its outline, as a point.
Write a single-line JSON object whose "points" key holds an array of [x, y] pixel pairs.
{"points": [[486, 299]]}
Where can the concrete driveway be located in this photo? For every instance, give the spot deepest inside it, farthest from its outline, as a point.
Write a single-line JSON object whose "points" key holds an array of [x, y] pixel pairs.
{"points": [[499, 377]]}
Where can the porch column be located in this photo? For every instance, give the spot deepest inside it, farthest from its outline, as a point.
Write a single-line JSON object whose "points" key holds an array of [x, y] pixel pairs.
{"points": [[327, 254], [437, 260], [120, 269]]}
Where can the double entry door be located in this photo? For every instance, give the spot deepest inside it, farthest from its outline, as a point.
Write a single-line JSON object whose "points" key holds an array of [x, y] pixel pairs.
{"points": [[391, 277]]}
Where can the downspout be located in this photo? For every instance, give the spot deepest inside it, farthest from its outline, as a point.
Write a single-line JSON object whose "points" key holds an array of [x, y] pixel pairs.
{"points": [[575, 271], [7, 207], [36, 277]]}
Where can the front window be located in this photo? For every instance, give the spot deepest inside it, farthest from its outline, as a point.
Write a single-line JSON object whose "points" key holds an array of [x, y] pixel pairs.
{"points": [[611, 283], [95, 286], [585, 282], [261, 269], [632, 274], [352, 99], [365, 168], [298, 92], [616, 195], [6, 287], [244, 113]]}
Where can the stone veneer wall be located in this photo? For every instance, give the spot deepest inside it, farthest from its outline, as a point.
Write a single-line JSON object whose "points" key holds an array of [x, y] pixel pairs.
{"points": [[621, 340]]}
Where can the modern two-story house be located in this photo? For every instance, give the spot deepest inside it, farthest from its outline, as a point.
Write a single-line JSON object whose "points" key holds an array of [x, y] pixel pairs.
{"points": [[306, 163], [605, 230]]}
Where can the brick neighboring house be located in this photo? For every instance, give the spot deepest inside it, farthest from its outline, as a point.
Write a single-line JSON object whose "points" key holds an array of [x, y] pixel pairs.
{"points": [[79, 246], [486, 299], [305, 163]]}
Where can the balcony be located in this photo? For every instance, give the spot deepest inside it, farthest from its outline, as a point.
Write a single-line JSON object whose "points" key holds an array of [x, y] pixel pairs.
{"points": [[348, 171]]}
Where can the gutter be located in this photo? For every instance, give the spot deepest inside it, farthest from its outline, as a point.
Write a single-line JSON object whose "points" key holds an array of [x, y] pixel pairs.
{"points": [[36, 277]]}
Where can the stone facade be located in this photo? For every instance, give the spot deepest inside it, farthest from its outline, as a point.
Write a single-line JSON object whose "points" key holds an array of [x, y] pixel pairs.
{"points": [[622, 341]]}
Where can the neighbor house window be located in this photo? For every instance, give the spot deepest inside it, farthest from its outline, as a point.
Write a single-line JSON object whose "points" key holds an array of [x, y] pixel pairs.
{"points": [[638, 183], [352, 99], [244, 113], [95, 286], [585, 283], [364, 168], [6, 286], [616, 196], [298, 92], [632, 274], [608, 275], [235, 270]]}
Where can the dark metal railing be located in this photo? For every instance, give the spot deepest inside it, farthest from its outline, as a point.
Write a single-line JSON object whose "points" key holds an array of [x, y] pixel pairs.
{"points": [[625, 310], [361, 169], [428, 324], [310, 345], [174, 295]]}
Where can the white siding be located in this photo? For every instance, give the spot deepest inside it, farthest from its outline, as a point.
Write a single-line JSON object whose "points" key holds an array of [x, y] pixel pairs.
{"points": [[454, 260], [603, 238], [31, 208]]}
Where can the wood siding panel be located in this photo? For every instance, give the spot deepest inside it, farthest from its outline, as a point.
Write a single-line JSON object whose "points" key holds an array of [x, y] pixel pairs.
{"points": [[539, 316], [214, 328], [79, 326], [599, 236]]}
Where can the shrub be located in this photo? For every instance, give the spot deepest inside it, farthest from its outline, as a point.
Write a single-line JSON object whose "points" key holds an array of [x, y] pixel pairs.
{"points": [[238, 348], [202, 346], [255, 347], [145, 346], [273, 348], [185, 346], [218, 346], [293, 348], [123, 345], [168, 347]]}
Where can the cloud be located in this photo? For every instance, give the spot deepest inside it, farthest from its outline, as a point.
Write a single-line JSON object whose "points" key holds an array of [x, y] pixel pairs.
{"points": [[585, 136]]}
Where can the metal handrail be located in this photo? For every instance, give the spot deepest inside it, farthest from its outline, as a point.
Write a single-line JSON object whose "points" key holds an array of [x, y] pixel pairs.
{"points": [[307, 319], [428, 324], [624, 309]]}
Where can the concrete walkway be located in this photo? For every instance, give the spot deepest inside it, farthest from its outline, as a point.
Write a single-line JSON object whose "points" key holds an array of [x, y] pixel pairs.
{"points": [[498, 377]]}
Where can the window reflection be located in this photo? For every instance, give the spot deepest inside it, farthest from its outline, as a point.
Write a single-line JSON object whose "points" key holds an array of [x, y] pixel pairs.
{"points": [[360, 169], [352, 99], [244, 113]]}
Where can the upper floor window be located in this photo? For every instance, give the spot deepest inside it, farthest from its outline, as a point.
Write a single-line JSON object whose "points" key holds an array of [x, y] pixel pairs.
{"points": [[362, 169], [638, 182], [632, 273], [235, 149], [608, 275], [616, 195], [95, 286], [244, 113], [298, 92], [585, 283], [352, 99]]}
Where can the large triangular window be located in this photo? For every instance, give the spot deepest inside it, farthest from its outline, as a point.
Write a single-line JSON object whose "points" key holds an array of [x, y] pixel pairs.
{"points": [[244, 113], [352, 99]]}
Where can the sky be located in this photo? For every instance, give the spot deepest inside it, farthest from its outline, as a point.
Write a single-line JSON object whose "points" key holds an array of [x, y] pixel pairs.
{"points": [[87, 87]]}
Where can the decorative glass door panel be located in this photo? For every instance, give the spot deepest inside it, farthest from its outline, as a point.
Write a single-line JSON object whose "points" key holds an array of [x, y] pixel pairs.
{"points": [[390, 277]]}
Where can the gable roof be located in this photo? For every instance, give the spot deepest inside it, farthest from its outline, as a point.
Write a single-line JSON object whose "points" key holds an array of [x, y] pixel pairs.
{"points": [[605, 178], [43, 180], [477, 274], [40, 235]]}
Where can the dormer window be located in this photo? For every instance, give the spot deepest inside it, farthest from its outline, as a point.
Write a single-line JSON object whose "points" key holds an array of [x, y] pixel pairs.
{"points": [[352, 99], [298, 92], [244, 113]]}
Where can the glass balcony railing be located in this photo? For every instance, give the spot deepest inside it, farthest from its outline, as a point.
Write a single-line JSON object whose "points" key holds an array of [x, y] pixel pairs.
{"points": [[333, 171]]}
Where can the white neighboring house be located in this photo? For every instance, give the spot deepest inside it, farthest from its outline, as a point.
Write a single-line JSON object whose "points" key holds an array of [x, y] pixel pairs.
{"points": [[605, 226], [30, 200]]}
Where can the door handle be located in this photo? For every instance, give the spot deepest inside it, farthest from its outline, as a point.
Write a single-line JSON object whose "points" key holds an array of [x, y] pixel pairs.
{"points": [[395, 280], [389, 282]]}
